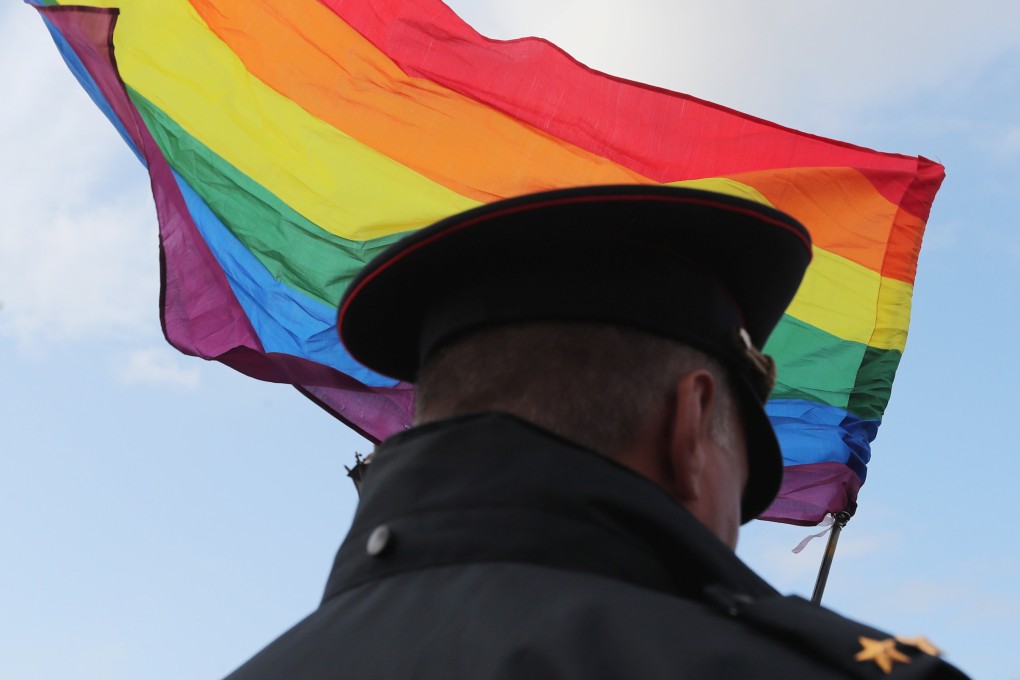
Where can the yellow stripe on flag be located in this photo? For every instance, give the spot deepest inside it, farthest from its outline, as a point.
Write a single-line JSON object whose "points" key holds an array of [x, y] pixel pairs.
{"points": [[839, 296], [724, 185], [338, 76], [170, 57], [871, 309]]}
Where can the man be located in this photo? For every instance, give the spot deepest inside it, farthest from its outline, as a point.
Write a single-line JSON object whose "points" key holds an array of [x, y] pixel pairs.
{"points": [[590, 434]]}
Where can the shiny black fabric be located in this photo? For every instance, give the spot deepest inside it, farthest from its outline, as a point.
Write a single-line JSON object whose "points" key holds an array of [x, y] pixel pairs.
{"points": [[487, 548]]}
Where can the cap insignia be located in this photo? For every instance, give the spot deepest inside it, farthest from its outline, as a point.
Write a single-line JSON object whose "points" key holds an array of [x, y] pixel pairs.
{"points": [[762, 367]]}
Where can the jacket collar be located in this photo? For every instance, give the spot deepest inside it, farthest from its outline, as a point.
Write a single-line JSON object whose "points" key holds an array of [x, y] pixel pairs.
{"points": [[494, 488]]}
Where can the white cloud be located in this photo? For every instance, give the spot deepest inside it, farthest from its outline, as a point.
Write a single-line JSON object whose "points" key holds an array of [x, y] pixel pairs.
{"points": [[801, 62], [78, 246], [1007, 243], [1011, 140], [64, 277], [917, 598], [768, 548], [855, 546], [158, 366], [942, 235], [786, 568]]}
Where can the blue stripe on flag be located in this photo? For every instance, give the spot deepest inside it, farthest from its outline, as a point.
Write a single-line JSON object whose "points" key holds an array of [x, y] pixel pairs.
{"points": [[810, 432], [298, 325]]}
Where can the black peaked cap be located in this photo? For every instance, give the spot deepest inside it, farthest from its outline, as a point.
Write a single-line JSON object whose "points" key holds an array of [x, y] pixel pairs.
{"points": [[700, 267]]}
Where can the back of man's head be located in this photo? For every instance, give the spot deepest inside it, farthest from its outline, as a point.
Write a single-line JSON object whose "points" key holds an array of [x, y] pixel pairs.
{"points": [[600, 386]]}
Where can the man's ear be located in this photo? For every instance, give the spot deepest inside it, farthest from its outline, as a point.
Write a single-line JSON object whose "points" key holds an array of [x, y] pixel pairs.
{"points": [[690, 430]]}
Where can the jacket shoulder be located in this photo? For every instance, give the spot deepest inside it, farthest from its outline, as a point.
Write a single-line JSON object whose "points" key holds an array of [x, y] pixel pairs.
{"points": [[854, 648], [511, 620]]}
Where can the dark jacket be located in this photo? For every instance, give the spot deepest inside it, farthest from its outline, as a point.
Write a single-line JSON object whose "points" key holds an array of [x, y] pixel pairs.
{"points": [[485, 548]]}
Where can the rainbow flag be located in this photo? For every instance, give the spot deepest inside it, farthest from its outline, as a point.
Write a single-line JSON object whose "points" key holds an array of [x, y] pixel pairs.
{"points": [[289, 141]]}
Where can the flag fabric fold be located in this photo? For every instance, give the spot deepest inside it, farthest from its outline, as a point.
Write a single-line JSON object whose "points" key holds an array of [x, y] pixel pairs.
{"points": [[288, 142]]}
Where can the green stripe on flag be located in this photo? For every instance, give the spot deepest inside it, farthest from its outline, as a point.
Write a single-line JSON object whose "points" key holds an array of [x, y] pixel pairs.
{"points": [[855, 377], [296, 251]]}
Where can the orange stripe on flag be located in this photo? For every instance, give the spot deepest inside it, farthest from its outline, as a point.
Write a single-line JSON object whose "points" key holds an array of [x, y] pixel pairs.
{"points": [[339, 77], [845, 214]]}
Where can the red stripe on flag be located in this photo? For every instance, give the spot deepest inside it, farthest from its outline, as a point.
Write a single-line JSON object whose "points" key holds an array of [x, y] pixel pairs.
{"points": [[663, 135]]}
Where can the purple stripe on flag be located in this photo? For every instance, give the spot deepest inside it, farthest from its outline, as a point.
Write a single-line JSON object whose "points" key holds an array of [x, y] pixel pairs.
{"points": [[199, 312], [85, 79], [810, 492], [375, 413]]}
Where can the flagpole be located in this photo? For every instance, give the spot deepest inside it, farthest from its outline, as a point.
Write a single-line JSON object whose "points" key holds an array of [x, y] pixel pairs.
{"points": [[839, 521]]}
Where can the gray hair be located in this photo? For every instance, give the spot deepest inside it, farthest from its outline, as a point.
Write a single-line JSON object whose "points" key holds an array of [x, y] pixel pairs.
{"points": [[596, 385]]}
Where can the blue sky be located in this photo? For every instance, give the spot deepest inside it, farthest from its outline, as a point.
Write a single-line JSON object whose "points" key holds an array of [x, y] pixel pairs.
{"points": [[166, 517]]}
